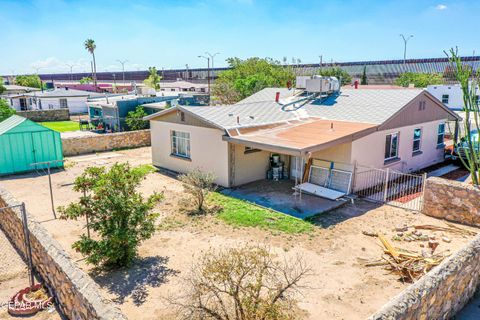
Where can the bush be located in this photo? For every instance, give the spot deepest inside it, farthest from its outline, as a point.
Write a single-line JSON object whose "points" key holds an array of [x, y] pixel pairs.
{"points": [[420, 80], [337, 72], [198, 184], [5, 110], [242, 283], [118, 214], [134, 119]]}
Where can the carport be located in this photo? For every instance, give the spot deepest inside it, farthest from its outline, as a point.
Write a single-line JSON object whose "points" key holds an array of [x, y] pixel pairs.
{"points": [[24, 142], [299, 141]]}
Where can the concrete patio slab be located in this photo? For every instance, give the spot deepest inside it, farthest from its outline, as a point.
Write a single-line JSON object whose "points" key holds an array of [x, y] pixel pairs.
{"points": [[279, 196]]}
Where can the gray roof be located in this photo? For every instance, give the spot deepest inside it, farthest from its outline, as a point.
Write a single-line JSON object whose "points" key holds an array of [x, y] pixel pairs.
{"points": [[366, 106]]}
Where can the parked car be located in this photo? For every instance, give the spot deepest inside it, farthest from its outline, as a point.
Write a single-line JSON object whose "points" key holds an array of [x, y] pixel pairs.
{"points": [[462, 147]]}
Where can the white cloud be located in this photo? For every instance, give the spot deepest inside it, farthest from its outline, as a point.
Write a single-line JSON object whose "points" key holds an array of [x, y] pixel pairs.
{"points": [[441, 7]]}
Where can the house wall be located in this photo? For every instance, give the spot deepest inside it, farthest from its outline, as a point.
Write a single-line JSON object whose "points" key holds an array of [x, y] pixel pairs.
{"points": [[455, 99], [248, 167], [208, 151], [341, 154], [75, 104], [370, 150]]}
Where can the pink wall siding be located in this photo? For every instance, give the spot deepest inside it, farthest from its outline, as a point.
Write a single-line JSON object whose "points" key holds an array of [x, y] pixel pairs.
{"points": [[370, 150]]}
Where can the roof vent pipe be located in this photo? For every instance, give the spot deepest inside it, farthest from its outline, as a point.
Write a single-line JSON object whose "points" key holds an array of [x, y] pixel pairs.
{"points": [[277, 97], [238, 120], [356, 84]]}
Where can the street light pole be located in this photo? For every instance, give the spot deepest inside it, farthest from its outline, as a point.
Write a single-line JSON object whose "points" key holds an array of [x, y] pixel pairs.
{"points": [[208, 71], [71, 68], [212, 56], [123, 69], [405, 41]]}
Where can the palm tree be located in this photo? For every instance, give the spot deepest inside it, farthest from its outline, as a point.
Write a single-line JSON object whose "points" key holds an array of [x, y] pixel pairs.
{"points": [[90, 46]]}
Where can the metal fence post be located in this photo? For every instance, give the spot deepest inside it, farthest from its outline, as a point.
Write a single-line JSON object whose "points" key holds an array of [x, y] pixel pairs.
{"points": [[385, 192], [28, 247]]}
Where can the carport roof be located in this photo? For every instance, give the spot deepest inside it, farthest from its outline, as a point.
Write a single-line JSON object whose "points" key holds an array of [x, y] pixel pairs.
{"points": [[302, 136]]}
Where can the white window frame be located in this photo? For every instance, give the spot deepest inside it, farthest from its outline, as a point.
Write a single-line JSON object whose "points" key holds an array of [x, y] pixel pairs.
{"points": [[441, 134], [174, 144], [419, 139], [61, 105], [392, 135]]}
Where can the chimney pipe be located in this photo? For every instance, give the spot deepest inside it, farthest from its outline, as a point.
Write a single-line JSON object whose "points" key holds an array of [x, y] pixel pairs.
{"points": [[238, 120], [356, 84], [277, 96]]}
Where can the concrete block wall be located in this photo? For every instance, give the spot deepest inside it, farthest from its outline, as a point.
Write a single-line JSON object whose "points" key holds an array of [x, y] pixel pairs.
{"points": [[46, 115], [76, 293], [105, 142]]}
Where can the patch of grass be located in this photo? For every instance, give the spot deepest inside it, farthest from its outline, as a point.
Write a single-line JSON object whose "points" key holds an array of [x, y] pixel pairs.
{"points": [[62, 126], [240, 213], [145, 169]]}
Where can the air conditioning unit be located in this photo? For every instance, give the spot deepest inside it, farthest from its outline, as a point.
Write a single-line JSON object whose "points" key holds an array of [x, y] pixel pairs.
{"points": [[319, 84], [301, 82]]}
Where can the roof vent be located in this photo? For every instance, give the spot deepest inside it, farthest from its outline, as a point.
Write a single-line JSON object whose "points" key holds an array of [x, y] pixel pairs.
{"points": [[230, 114], [238, 120], [252, 117]]}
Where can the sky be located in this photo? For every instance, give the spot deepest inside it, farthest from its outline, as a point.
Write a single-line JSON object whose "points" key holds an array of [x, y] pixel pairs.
{"points": [[47, 36]]}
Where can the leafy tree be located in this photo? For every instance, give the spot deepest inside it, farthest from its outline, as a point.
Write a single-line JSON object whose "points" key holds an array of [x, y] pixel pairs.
{"points": [[153, 79], [90, 46], [118, 214], [5, 110], [468, 144], [32, 80], [198, 184], [364, 80], [420, 80], [135, 120], [247, 77], [2, 87], [337, 72], [86, 80], [242, 283]]}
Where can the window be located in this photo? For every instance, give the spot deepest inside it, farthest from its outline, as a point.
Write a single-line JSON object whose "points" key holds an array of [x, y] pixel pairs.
{"points": [[63, 103], [445, 98], [391, 146], [180, 144], [441, 134], [417, 137]]}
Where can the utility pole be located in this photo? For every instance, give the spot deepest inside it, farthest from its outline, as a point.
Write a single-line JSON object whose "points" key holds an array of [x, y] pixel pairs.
{"points": [[208, 71], [321, 62], [71, 68], [405, 41], [186, 75], [123, 69]]}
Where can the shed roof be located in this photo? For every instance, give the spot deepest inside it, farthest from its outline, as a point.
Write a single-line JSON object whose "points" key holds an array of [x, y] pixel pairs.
{"points": [[10, 123]]}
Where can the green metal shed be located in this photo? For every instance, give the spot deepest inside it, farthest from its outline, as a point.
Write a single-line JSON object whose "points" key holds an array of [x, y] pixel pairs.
{"points": [[24, 142]]}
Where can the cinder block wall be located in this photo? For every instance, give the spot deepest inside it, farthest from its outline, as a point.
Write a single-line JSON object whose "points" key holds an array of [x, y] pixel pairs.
{"points": [[105, 142], [77, 294], [46, 115]]}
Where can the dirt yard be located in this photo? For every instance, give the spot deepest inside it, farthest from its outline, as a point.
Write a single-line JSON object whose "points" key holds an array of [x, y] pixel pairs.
{"points": [[341, 287], [14, 277]]}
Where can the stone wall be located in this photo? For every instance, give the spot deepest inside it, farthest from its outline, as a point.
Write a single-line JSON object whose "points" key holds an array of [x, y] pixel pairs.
{"points": [[105, 142], [442, 292], [452, 200], [446, 289], [77, 294], [46, 115]]}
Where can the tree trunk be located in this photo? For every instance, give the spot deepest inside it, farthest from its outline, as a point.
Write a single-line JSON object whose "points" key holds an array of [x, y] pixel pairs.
{"points": [[94, 70]]}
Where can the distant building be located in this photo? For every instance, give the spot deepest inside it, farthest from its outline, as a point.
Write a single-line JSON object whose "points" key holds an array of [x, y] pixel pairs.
{"points": [[111, 111], [183, 86], [449, 95], [61, 98], [14, 89]]}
